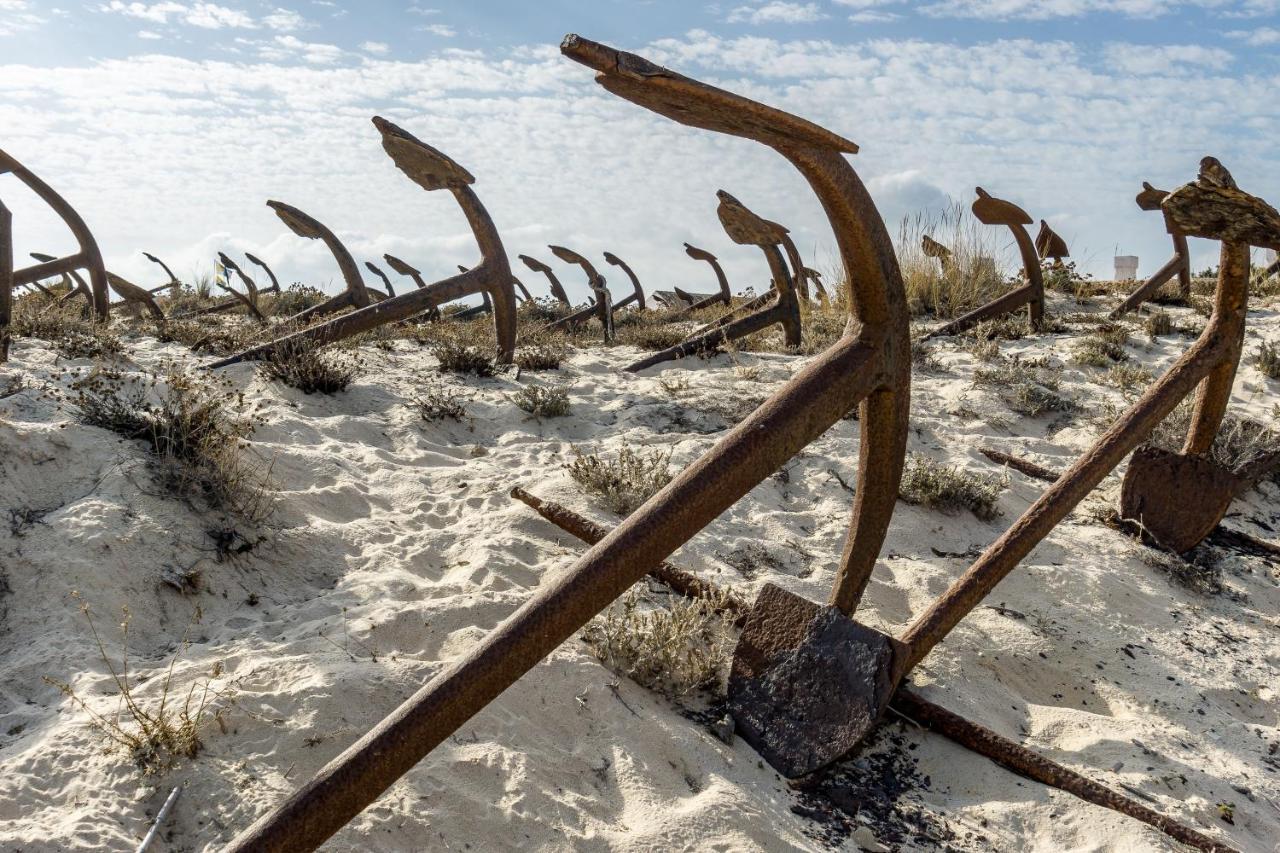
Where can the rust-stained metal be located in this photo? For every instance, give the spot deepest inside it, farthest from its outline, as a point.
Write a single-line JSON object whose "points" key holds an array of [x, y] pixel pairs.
{"points": [[1203, 208], [681, 580], [1024, 762], [557, 290], [1154, 495], [173, 279], [134, 294], [636, 296], [249, 299], [524, 291], [6, 280], [721, 296], [603, 307], [1179, 265], [1049, 245], [933, 249], [990, 210], [485, 307], [79, 287], [87, 257], [869, 365], [356, 295], [386, 282], [405, 269], [815, 278], [275, 282], [431, 170], [747, 229]]}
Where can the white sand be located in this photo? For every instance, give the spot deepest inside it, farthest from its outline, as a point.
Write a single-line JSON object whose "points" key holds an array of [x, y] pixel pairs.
{"points": [[391, 539]]}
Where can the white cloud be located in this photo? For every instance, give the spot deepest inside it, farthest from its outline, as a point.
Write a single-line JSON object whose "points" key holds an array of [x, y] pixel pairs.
{"points": [[1260, 37], [1166, 59], [1056, 126], [208, 16], [776, 12], [150, 35], [442, 30], [291, 47], [377, 48], [18, 16], [1041, 10], [283, 20]]}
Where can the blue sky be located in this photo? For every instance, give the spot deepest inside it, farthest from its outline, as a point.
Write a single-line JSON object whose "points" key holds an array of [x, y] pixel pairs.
{"points": [[169, 124]]}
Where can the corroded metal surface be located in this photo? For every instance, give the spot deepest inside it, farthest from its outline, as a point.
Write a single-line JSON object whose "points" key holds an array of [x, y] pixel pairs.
{"points": [[603, 307], [745, 228], [636, 295], [405, 269], [356, 294], [6, 280], [1050, 245], [1180, 264], [249, 299], [1154, 495], [557, 290], [933, 249], [173, 279], [681, 580], [721, 296], [87, 257], [386, 282], [431, 170], [870, 365], [990, 210], [275, 283], [1024, 762]]}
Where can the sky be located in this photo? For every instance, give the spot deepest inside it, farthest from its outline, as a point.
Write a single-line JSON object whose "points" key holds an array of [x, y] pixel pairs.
{"points": [[168, 125]]}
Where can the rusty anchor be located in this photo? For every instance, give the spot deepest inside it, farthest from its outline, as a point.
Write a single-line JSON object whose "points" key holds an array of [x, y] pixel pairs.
{"points": [[275, 283], [933, 249], [868, 366], [780, 305], [1179, 265], [173, 283], [603, 305], [386, 282], [129, 293], [87, 257], [990, 210], [1179, 498], [356, 295], [405, 269], [249, 299], [722, 296], [6, 281], [815, 277], [554, 283], [636, 296], [1050, 245], [431, 170]]}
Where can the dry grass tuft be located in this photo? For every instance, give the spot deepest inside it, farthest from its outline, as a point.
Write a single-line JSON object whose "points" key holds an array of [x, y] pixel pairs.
{"points": [[311, 368], [195, 426], [625, 481], [674, 650], [440, 403], [1029, 387], [158, 736], [1269, 360], [946, 488], [542, 402]]}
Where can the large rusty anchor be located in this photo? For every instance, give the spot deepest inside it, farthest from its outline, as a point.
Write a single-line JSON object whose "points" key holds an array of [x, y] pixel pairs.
{"points": [[249, 299], [431, 170], [129, 293], [557, 290], [1179, 498], [869, 366], [603, 305], [275, 283], [1050, 245], [636, 296], [356, 295], [386, 282], [990, 210], [1180, 264], [405, 269], [778, 306], [721, 296], [173, 282], [87, 257]]}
